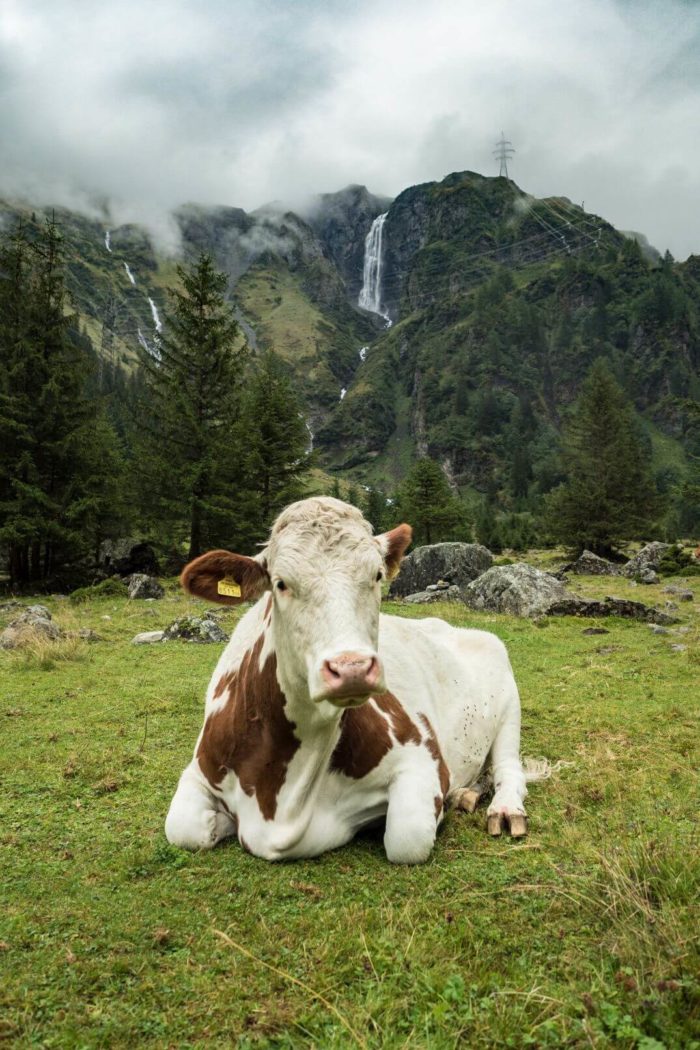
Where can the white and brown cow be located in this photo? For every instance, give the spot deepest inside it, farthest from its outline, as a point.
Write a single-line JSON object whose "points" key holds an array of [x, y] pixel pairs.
{"points": [[323, 717]]}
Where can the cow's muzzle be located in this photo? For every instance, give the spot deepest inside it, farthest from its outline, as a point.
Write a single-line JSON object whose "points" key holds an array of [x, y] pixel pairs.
{"points": [[351, 676]]}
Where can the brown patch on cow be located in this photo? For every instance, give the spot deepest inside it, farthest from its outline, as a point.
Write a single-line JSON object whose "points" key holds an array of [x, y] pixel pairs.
{"points": [[396, 543], [224, 683], [439, 804], [405, 731], [365, 738], [250, 735], [203, 575], [364, 741], [434, 749]]}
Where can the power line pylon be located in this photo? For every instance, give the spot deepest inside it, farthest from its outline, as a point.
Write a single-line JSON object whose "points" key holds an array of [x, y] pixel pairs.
{"points": [[503, 153]]}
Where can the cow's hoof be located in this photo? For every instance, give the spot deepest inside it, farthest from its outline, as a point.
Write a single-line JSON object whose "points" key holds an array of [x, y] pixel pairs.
{"points": [[494, 824], [514, 823], [466, 799]]}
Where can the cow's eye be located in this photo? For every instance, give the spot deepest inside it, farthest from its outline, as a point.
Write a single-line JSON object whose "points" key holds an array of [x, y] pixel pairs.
{"points": [[281, 585]]}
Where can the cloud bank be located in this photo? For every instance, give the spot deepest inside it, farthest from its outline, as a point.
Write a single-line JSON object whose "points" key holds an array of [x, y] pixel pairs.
{"points": [[141, 107]]}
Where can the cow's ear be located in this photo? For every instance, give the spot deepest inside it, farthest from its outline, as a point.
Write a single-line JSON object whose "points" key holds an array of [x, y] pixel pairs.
{"points": [[393, 546], [229, 579]]}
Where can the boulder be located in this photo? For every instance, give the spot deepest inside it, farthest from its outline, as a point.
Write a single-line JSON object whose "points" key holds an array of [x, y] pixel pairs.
{"points": [[590, 564], [141, 586], [127, 556], [518, 589], [443, 594], [452, 563], [646, 561], [147, 637], [195, 629]]}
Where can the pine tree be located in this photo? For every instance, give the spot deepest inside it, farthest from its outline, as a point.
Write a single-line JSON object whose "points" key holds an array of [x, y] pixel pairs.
{"points": [[608, 495], [426, 501], [191, 450], [376, 510], [276, 440]]}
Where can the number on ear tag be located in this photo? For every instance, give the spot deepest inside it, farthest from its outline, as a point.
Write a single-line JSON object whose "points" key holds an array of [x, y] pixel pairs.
{"points": [[228, 587]]}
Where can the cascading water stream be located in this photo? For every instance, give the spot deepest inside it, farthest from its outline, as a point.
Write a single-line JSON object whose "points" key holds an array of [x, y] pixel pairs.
{"points": [[129, 274], [156, 318], [371, 293], [107, 242]]}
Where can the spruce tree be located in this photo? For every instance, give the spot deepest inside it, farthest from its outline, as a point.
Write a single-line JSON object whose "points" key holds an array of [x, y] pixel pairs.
{"points": [[276, 440], [191, 452], [426, 501], [609, 495], [50, 485]]}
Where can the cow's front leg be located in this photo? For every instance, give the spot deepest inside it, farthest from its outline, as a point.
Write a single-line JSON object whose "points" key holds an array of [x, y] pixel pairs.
{"points": [[413, 813], [194, 820]]}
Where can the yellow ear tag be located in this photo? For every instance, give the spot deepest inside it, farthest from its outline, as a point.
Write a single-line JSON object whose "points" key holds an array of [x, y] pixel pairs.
{"points": [[228, 587]]}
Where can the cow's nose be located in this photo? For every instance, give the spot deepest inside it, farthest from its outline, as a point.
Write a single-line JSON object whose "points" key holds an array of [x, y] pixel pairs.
{"points": [[351, 674]]}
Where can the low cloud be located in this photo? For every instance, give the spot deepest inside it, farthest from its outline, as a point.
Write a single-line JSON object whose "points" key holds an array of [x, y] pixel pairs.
{"points": [[146, 106]]}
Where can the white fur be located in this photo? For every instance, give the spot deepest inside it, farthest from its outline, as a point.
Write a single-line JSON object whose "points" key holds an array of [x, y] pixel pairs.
{"points": [[460, 680]]}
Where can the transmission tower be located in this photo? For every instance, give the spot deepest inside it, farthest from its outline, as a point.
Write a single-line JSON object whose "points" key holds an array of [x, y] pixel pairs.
{"points": [[503, 153]]}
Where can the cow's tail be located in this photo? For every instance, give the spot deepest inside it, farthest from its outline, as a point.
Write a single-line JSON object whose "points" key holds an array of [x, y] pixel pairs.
{"points": [[541, 768]]}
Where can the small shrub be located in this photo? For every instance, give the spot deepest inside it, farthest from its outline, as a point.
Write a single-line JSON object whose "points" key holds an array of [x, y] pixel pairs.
{"points": [[112, 587], [678, 562]]}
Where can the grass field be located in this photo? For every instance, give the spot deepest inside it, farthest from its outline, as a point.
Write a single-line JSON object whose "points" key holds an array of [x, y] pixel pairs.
{"points": [[586, 934]]}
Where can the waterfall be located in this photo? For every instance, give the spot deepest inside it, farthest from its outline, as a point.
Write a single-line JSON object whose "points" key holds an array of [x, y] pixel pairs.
{"points": [[142, 340], [343, 392], [371, 294], [363, 353], [107, 241], [156, 319], [129, 274]]}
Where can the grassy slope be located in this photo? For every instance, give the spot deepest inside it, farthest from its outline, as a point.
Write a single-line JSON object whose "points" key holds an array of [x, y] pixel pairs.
{"points": [[581, 936]]}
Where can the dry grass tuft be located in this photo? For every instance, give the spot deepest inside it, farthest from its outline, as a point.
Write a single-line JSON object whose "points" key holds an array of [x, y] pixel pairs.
{"points": [[34, 650]]}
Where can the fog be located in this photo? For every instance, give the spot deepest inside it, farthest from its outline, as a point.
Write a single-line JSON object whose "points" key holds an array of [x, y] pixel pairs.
{"points": [[126, 109]]}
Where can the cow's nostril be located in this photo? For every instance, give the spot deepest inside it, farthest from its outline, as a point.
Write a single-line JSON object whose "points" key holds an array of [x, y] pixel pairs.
{"points": [[332, 669]]}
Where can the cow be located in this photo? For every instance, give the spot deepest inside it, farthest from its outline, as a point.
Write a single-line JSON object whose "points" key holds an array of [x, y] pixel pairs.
{"points": [[323, 716]]}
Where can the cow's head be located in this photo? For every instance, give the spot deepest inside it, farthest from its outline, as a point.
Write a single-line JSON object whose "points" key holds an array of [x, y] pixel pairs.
{"points": [[325, 571]]}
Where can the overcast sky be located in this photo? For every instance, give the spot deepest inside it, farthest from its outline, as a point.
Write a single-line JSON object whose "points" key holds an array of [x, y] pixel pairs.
{"points": [[151, 103]]}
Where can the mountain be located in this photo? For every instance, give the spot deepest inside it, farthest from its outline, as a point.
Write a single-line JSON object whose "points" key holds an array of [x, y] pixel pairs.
{"points": [[489, 307]]}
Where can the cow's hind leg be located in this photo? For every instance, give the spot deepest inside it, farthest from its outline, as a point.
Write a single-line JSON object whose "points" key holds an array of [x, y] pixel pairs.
{"points": [[507, 810], [195, 820]]}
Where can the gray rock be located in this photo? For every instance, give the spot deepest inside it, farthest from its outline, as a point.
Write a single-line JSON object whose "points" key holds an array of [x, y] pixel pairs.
{"points": [[451, 563], [26, 627], [572, 605], [590, 564], [195, 629], [649, 557], [36, 611], [88, 635], [518, 589], [678, 648], [10, 606], [595, 630], [427, 597], [141, 586], [655, 629], [682, 594], [146, 637], [648, 576]]}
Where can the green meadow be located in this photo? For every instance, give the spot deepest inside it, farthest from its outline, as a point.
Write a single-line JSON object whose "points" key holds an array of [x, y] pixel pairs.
{"points": [[583, 935]]}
